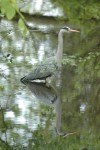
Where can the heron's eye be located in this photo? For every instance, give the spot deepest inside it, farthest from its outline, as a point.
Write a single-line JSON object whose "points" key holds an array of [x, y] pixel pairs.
{"points": [[66, 28]]}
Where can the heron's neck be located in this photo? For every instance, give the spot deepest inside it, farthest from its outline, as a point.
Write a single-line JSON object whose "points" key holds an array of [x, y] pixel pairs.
{"points": [[59, 49]]}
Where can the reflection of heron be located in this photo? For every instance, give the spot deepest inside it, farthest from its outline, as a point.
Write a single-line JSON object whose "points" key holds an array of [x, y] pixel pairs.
{"points": [[48, 67], [46, 95]]}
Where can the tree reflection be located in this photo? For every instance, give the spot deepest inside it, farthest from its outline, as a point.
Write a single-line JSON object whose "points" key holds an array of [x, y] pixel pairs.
{"points": [[3, 129]]}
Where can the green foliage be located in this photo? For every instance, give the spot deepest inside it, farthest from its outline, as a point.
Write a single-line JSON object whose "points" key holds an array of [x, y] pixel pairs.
{"points": [[80, 11], [9, 8], [22, 26]]}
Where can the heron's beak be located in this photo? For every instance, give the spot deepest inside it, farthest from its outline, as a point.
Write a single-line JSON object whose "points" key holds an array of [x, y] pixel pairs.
{"points": [[73, 30]]}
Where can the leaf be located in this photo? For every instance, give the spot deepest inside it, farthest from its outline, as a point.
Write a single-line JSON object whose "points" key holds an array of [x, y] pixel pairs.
{"points": [[8, 9], [22, 26], [4, 4], [2, 10], [10, 12]]}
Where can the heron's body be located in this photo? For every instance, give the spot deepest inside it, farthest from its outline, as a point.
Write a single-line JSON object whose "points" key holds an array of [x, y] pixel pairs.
{"points": [[48, 67], [41, 71]]}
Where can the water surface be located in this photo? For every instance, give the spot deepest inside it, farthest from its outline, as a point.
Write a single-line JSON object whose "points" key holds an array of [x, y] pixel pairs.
{"points": [[32, 113]]}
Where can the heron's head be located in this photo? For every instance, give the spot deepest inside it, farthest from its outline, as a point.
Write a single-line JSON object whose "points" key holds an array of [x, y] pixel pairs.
{"points": [[67, 29]]}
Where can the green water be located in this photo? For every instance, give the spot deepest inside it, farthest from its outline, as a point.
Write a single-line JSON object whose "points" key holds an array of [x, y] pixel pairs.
{"points": [[30, 114]]}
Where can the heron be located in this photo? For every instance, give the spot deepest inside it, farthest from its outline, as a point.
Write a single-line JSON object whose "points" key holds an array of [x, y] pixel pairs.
{"points": [[48, 67]]}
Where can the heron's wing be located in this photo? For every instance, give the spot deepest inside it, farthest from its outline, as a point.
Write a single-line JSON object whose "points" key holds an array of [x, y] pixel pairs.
{"points": [[41, 71]]}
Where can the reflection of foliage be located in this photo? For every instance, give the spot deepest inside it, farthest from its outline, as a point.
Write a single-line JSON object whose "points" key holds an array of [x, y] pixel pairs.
{"points": [[84, 89], [45, 140], [87, 71]]}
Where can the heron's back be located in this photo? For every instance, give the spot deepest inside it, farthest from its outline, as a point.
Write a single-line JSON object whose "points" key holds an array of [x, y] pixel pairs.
{"points": [[41, 72]]}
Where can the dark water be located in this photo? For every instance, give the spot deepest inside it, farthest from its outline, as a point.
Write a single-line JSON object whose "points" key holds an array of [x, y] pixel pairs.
{"points": [[63, 115]]}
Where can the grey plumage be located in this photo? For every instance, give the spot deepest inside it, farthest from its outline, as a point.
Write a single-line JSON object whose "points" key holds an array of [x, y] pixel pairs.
{"points": [[41, 72]]}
